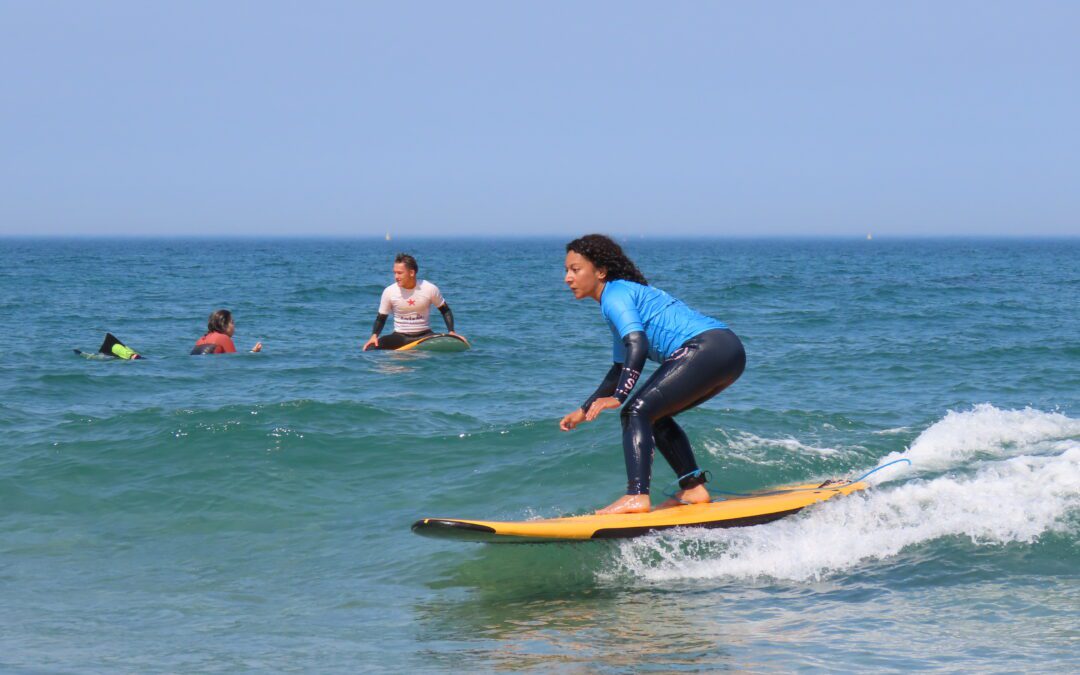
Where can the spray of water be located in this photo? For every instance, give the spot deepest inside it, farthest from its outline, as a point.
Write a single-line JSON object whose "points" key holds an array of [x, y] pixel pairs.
{"points": [[992, 476]]}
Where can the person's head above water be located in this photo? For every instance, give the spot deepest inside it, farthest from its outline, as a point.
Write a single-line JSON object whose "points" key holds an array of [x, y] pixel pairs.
{"points": [[221, 321], [405, 269], [220, 328], [592, 261]]}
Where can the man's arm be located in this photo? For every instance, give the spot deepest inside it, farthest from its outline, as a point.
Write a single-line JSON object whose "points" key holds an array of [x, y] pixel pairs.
{"points": [[447, 316], [373, 341], [380, 323]]}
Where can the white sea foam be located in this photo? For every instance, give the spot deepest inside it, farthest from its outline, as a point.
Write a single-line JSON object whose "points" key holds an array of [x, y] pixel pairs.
{"points": [[756, 448], [1021, 480], [986, 431], [894, 430]]}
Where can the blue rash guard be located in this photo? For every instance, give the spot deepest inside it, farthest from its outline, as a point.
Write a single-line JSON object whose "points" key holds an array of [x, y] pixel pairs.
{"points": [[666, 321], [699, 356]]}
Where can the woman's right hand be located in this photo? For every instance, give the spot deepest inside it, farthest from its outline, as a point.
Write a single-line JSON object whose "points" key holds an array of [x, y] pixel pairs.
{"points": [[572, 420], [373, 341]]}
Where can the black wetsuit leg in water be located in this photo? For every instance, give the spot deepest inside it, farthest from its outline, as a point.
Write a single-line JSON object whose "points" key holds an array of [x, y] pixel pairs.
{"points": [[701, 368], [398, 340]]}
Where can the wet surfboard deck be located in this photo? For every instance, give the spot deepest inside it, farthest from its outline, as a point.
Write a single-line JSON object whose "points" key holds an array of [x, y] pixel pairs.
{"points": [[736, 511]]}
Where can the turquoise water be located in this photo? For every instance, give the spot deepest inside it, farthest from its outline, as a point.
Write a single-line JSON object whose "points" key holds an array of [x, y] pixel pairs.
{"points": [[252, 512]]}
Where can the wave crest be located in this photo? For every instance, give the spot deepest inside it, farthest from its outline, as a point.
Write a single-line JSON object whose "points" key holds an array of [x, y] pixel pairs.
{"points": [[1029, 486]]}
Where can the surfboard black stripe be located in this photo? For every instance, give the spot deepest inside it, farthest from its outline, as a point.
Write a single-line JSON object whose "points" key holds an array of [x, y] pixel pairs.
{"points": [[449, 529], [749, 521]]}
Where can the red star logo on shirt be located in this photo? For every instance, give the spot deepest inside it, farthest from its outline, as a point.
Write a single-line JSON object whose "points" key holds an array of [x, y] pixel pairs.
{"points": [[411, 301]]}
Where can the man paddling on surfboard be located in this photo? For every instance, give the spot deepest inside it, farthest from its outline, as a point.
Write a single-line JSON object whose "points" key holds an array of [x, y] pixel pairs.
{"points": [[699, 357], [410, 302]]}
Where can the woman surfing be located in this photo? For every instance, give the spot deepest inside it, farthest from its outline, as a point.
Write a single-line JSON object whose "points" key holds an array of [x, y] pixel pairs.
{"points": [[699, 357]]}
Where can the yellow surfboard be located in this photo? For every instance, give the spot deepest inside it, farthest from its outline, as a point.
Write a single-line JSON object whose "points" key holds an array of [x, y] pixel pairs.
{"points": [[739, 511]]}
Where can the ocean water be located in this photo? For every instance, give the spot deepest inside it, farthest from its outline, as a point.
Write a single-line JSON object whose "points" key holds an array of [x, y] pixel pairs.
{"points": [[251, 513]]}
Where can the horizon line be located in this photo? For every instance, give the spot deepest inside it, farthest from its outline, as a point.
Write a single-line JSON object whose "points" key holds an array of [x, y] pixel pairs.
{"points": [[522, 237]]}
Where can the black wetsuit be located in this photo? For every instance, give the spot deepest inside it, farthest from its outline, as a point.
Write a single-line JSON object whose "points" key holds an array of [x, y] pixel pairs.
{"points": [[397, 340], [699, 369]]}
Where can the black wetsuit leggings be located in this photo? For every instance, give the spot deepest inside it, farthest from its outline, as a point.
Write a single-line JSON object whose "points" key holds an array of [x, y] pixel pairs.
{"points": [[701, 368], [397, 340]]}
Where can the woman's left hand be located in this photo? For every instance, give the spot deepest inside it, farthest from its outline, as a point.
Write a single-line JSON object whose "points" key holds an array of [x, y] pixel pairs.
{"points": [[600, 405]]}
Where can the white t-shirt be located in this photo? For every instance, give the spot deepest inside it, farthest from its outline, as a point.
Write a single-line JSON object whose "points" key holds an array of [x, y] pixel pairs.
{"points": [[411, 307]]}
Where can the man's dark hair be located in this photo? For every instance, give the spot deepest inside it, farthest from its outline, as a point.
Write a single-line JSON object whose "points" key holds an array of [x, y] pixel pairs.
{"points": [[410, 262]]}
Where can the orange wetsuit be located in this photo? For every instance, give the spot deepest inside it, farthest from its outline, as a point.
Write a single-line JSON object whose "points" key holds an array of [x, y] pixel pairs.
{"points": [[214, 343]]}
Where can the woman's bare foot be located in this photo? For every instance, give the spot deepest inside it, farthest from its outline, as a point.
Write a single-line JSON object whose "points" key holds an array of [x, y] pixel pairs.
{"points": [[695, 495], [628, 504]]}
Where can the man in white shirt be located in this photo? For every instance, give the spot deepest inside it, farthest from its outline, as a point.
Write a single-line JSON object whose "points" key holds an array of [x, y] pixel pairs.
{"points": [[410, 302]]}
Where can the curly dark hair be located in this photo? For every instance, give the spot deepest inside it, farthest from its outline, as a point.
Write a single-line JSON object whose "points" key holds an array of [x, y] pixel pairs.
{"points": [[607, 255]]}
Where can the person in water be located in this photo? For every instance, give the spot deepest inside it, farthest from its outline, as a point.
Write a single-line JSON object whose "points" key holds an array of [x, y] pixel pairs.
{"points": [[699, 357], [218, 339], [410, 301], [113, 347]]}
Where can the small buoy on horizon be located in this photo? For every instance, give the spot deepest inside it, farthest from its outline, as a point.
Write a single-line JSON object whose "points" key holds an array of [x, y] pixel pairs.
{"points": [[869, 236]]}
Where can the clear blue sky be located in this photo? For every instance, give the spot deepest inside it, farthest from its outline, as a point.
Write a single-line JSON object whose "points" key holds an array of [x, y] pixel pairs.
{"points": [[466, 118]]}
